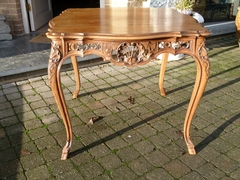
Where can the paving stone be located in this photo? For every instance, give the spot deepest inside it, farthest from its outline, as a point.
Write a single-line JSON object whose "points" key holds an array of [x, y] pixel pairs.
{"points": [[25, 149], [43, 111], [10, 169], [209, 171], [38, 104], [6, 113], [55, 127], [15, 129], [10, 90], [50, 118], [26, 116], [38, 133], [91, 170], [40, 172], [31, 161], [45, 142], [176, 168], [116, 143], [32, 124], [32, 98], [192, 175], [140, 166], [22, 109], [3, 99], [235, 174], [123, 172], [99, 151], [158, 173], [144, 147], [225, 164], [128, 154], [59, 168], [7, 155], [13, 96], [160, 140], [9, 121], [111, 161], [157, 158], [193, 162], [49, 154], [132, 137]]}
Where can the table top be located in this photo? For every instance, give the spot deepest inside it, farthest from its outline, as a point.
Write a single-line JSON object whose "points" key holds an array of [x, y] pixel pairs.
{"points": [[125, 23]]}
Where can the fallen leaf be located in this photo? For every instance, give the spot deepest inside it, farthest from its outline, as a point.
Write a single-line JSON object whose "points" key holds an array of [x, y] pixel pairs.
{"points": [[131, 100], [25, 152], [92, 120]]}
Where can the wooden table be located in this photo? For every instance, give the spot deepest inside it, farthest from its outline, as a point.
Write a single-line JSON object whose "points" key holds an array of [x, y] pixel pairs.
{"points": [[136, 36]]}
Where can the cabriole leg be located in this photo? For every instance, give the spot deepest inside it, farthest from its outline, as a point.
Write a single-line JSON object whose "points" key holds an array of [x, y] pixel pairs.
{"points": [[162, 73], [202, 63], [77, 77]]}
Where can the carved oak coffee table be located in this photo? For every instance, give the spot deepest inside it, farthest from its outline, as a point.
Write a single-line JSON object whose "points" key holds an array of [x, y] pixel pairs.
{"points": [[126, 37]]}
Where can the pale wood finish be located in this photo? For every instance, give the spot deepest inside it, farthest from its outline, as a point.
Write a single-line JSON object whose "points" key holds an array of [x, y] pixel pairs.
{"points": [[136, 36], [237, 22]]}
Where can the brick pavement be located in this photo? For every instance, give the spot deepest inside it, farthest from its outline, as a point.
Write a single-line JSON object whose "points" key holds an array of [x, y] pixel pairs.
{"points": [[131, 141]]}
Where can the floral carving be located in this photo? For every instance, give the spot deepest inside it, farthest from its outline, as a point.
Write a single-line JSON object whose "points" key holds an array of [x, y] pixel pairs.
{"points": [[132, 53], [175, 44]]}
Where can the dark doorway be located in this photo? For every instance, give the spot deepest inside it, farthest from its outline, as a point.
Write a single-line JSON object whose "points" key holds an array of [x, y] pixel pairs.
{"points": [[60, 5]]}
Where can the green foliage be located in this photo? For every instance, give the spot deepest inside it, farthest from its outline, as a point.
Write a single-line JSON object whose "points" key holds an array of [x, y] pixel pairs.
{"points": [[184, 5]]}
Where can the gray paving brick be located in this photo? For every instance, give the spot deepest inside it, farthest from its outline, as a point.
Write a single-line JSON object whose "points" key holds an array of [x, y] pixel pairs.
{"points": [[32, 124], [14, 129], [124, 172], [116, 143], [192, 175], [38, 133], [91, 170], [10, 169], [144, 147], [225, 164], [50, 118], [158, 173], [128, 154], [209, 171], [25, 116], [176, 168], [42, 111], [140, 166], [40, 172], [111, 161]]}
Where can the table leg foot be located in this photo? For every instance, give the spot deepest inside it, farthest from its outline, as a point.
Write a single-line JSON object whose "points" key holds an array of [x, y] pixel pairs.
{"points": [[65, 151], [191, 148], [162, 92], [75, 94]]}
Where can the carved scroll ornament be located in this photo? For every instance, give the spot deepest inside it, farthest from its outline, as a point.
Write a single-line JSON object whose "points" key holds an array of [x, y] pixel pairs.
{"points": [[54, 59], [175, 44], [204, 57], [82, 47]]}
